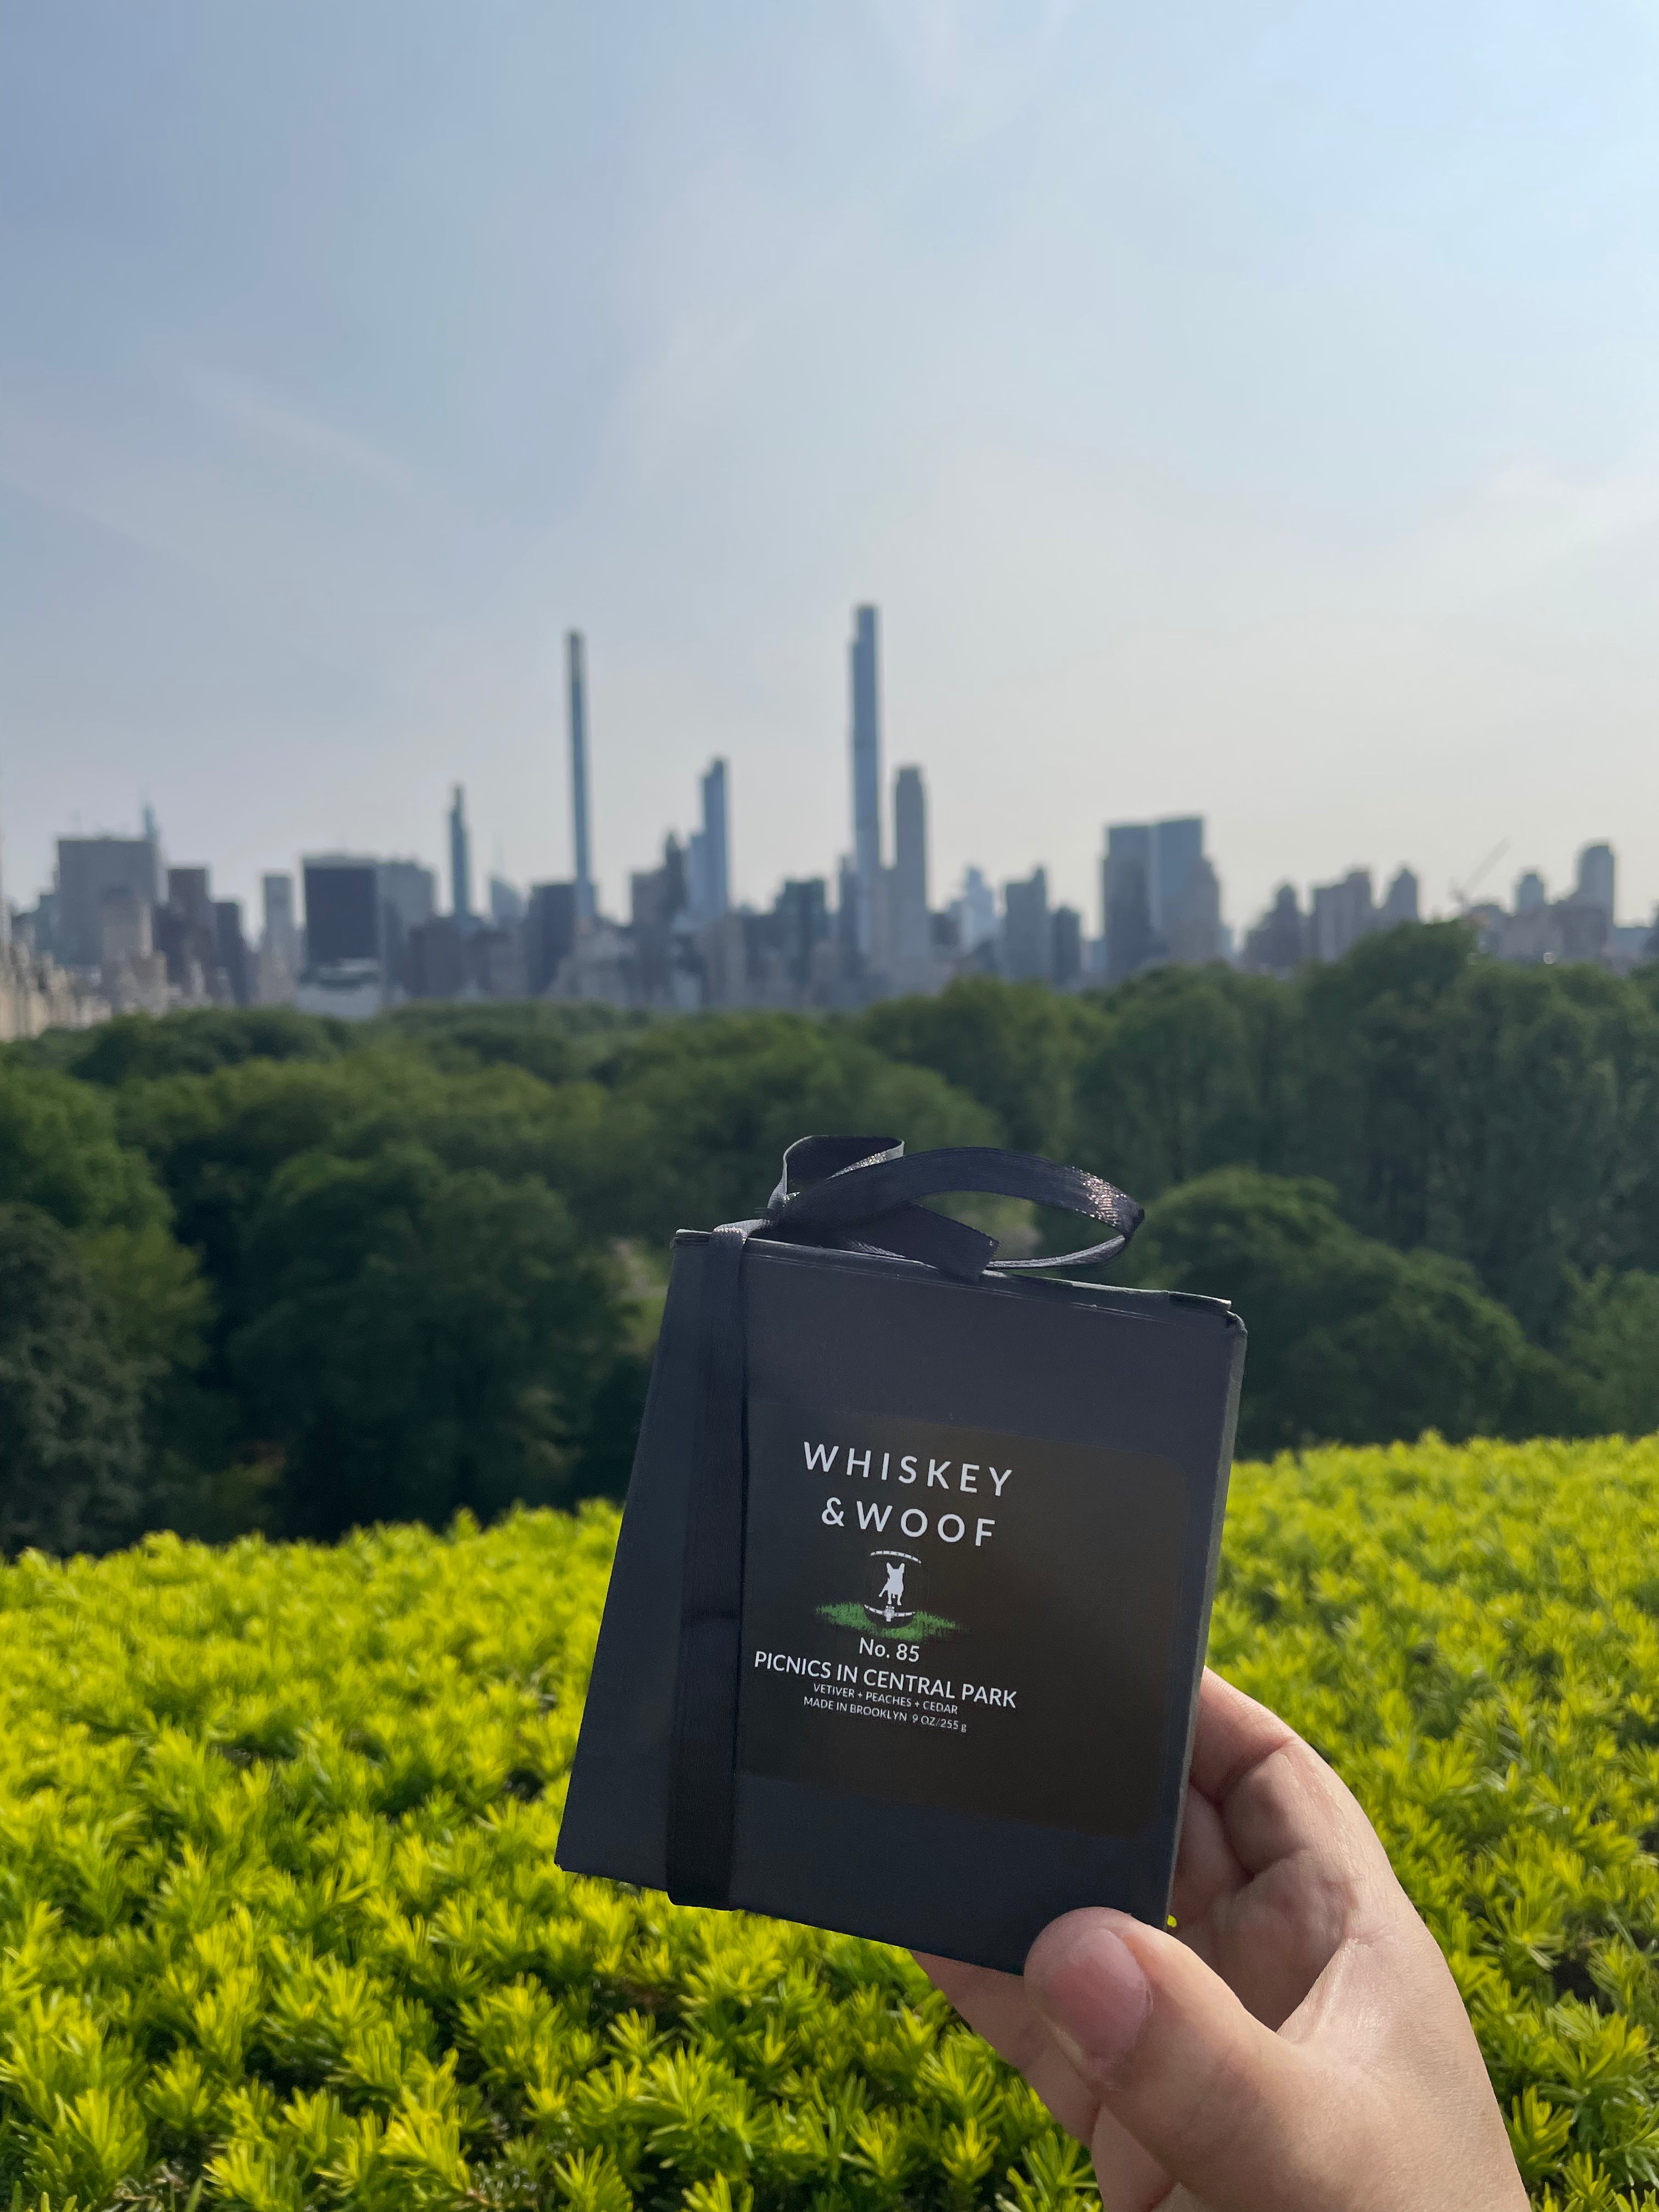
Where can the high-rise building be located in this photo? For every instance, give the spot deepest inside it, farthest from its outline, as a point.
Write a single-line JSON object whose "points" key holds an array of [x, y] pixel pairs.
{"points": [[865, 684], [1177, 850], [461, 859], [280, 935], [1400, 902], [5, 909], [912, 945], [1342, 914], [974, 910], [1192, 919], [342, 910], [276, 966], [1068, 946], [1028, 945], [88, 867], [577, 674], [126, 929], [409, 899], [230, 950], [1597, 880], [708, 884], [1529, 892], [1278, 943], [802, 912], [550, 933], [1125, 899], [505, 902]]}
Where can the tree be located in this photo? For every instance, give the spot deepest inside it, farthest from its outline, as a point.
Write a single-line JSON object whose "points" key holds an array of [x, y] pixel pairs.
{"points": [[137, 1047], [60, 1149], [1014, 1046], [420, 1340], [1613, 1338], [1191, 1069], [700, 1113], [1350, 1342], [71, 1454]]}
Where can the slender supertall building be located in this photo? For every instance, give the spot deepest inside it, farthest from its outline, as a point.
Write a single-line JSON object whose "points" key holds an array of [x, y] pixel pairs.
{"points": [[866, 684], [576, 667], [912, 929], [708, 864], [461, 860]]}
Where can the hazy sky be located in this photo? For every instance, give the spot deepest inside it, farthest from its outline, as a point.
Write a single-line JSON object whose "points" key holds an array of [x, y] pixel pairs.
{"points": [[1238, 408]]}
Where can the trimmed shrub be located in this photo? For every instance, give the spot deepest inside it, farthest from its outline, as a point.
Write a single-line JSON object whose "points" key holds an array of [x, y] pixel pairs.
{"points": [[278, 1914]]}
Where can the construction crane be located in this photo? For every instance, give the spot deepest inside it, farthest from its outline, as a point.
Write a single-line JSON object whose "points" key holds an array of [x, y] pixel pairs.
{"points": [[1464, 893]]}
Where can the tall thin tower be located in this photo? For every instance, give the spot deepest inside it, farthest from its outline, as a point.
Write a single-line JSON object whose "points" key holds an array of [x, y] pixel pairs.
{"points": [[461, 860], [866, 684], [576, 663]]}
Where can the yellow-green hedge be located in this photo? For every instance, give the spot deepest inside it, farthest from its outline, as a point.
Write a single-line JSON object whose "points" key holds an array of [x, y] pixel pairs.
{"points": [[279, 1921]]}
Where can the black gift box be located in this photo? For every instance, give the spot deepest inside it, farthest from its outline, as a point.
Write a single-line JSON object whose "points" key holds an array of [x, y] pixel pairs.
{"points": [[907, 1616]]}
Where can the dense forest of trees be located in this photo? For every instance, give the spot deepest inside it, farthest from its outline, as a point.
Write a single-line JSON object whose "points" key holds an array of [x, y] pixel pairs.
{"points": [[258, 1270]]}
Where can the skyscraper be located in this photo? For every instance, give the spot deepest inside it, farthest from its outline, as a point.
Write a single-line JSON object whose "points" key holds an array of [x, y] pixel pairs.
{"points": [[1028, 944], [865, 686], [342, 909], [87, 868], [912, 947], [708, 858], [1125, 899], [461, 860], [716, 835], [280, 935], [1177, 849], [1596, 879], [1400, 906], [576, 670], [230, 949]]}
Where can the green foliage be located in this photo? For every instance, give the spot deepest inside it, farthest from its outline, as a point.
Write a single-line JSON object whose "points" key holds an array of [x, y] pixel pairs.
{"points": [[59, 1150], [1484, 1258], [135, 1048], [1472, 1637], [1014, 1046], [71, 1451], [419, 1338], [1613, 1338], [1350, 1342], [699, 1114], [280, 1923]]}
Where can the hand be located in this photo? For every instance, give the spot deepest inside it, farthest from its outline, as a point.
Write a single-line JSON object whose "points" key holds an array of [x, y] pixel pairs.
{"points": [[1299, 2046]]}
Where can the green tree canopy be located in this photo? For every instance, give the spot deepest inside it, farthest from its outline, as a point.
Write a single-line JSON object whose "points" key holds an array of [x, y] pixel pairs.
{"points": [[419, 1338], [1350, 1340], [71, 1450], [1016, 1048], [700, 1113]]}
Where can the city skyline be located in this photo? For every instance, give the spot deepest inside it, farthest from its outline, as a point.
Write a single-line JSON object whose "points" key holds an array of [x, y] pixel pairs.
{"points": [[125, 930], [864, 845], [1230, 410]]}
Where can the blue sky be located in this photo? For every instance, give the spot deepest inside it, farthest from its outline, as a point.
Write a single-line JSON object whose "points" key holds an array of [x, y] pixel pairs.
{"points": [[1239, 408]]}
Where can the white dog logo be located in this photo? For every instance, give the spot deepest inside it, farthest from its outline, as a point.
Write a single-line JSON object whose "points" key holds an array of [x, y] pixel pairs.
{"points": [[893, 1589]]}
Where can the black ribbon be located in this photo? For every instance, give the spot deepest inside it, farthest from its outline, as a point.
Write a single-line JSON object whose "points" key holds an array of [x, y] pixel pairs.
{"points": [[849, 1194]]}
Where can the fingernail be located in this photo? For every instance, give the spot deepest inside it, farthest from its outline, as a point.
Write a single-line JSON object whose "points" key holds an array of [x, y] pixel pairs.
{"points": [[1090, 1988]]}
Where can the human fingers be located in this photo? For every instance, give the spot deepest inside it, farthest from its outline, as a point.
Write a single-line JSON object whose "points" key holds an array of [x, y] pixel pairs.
{"points": [[1215, 2100], [1278, 1800], [997, 2007]]}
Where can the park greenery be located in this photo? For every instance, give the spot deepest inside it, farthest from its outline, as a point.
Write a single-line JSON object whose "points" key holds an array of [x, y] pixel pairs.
{"points": [[260, 1270], [280, 1927]]}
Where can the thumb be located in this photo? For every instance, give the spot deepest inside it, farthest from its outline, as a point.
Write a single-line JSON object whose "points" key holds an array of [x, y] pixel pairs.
{"points": [[1226, 2107]]}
